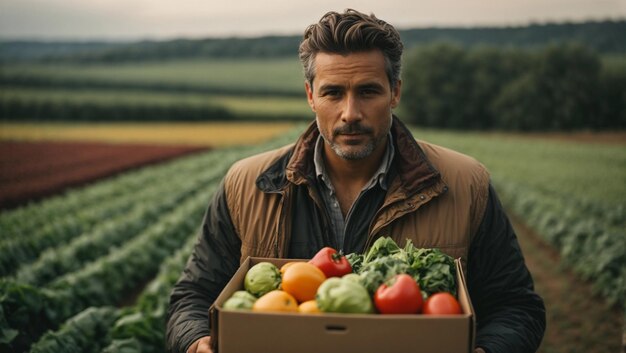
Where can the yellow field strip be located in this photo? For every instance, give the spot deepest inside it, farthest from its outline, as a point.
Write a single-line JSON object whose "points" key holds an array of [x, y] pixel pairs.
{"points": [[215, 134]]}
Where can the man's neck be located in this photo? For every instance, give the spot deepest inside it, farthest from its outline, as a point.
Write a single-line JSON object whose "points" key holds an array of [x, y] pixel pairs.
{"points": [[352, 173]]}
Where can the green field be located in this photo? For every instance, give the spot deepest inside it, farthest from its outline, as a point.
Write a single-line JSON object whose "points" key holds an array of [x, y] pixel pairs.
{"points": [[614, 63], [241, 105], [274, 75], [185, 89], [570, 193], [593, 173], [164, 90], [57, 255]]}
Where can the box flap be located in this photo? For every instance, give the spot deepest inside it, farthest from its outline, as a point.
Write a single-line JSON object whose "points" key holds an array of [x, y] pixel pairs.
{"points": [[465, 301], [213, 326], [233, 285]]}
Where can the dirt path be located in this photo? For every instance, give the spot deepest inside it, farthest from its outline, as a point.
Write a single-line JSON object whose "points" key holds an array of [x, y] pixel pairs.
{"points": [[577, 320]]}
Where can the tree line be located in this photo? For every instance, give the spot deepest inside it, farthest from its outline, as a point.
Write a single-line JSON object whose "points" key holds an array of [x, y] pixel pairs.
{"points": [[559, 87], [603, 36], [20, 110]]}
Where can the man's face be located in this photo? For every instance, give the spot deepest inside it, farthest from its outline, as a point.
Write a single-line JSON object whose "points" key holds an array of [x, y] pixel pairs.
{"points": [[352, 99]]}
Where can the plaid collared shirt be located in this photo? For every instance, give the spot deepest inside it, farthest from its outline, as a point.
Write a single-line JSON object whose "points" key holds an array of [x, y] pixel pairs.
{"points": [[370, 192]]}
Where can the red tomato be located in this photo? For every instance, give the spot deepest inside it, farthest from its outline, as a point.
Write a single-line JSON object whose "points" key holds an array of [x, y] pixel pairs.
{"points": [[442, 303], [403, 296], [333, 264]]}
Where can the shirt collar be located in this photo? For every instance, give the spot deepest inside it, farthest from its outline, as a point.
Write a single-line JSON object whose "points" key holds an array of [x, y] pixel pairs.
{"points": [[379, 176]]}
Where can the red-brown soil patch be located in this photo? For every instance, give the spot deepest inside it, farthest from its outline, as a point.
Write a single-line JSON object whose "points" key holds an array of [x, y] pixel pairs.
{"points": [[33, 170], [578, 320]]}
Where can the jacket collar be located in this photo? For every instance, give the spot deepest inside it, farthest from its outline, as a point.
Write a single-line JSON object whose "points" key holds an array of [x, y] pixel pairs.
{"points": [[412, 166]]}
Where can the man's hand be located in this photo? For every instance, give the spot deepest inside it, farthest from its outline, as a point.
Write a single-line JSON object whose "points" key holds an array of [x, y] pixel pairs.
{"points": [[202, 345]]}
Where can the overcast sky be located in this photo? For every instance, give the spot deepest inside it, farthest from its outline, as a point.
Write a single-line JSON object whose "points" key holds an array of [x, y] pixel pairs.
{"points": [[165, 19]]}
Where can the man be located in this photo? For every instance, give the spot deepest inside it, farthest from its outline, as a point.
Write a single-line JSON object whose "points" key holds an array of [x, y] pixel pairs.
{"points": [[357, 174]]}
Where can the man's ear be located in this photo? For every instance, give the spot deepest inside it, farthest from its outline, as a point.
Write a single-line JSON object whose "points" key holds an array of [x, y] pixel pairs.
{"points": [[309, 95], [396, 93]]}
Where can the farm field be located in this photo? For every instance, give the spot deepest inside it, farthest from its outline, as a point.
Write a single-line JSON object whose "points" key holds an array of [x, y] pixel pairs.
{"points": [[278, 75], [565, 195], [251, 107], [570, 193], [212, 134], [32, 170], [38, 160], [559, 163], [567, 198], [180, 90], [147, 225], [176, 90], [578, 318]]}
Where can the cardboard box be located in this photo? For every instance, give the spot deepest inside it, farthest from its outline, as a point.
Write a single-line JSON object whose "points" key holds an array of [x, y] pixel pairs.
{"points": [[250, 332]]}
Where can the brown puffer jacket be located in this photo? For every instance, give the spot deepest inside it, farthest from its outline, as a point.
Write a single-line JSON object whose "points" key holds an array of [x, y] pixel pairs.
{"points": [[268, 206], [437, 199]]}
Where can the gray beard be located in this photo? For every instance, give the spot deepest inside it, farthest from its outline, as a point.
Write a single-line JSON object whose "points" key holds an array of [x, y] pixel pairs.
{"points": [[364, 152], [350, 155]]}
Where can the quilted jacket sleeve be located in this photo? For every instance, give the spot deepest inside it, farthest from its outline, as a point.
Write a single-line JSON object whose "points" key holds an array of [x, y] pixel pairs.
{"points": [[214, 260], [510, 315]]}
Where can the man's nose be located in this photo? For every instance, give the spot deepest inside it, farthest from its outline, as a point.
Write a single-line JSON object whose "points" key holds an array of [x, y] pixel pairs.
{"points": [[351, 109]]}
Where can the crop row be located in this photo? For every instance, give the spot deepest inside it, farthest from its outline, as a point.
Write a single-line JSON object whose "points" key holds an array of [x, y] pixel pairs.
{"points": [[570, 193], [125, 213], [20, 101], [117, 267], [113, 232], [85, 332], [136, 329], [216, 135], [141, 328], [26, 221], [278, 76], [102, 282], [591, 242]]}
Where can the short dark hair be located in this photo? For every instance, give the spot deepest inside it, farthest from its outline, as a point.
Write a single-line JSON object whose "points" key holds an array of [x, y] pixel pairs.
{"points": [[349, 32]]}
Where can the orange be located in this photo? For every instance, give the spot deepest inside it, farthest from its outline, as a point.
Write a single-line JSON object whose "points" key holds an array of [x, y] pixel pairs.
{"points": [[276, 300], [309, 307], [286, 266], [302, 280]]}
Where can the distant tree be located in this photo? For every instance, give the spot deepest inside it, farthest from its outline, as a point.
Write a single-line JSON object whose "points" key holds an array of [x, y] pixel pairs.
{"points": [[451, 87], [560, 92], [520, 106], [491, 69], [435, 86], [612, 94]]}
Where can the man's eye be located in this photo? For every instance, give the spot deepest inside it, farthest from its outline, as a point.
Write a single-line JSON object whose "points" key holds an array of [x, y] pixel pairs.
{"points": [[369, 91], [331, 93]]}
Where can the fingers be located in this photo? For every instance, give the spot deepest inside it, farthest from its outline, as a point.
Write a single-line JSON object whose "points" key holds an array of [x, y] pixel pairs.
{"points": [[202, 345]]}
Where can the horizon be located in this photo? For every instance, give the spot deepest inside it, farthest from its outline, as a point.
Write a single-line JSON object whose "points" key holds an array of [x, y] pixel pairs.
{"points": [[265, 35], [158, 20]]}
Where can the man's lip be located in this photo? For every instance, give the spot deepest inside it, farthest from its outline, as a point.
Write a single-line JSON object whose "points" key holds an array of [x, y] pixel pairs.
{"points": [[352, 133]]}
